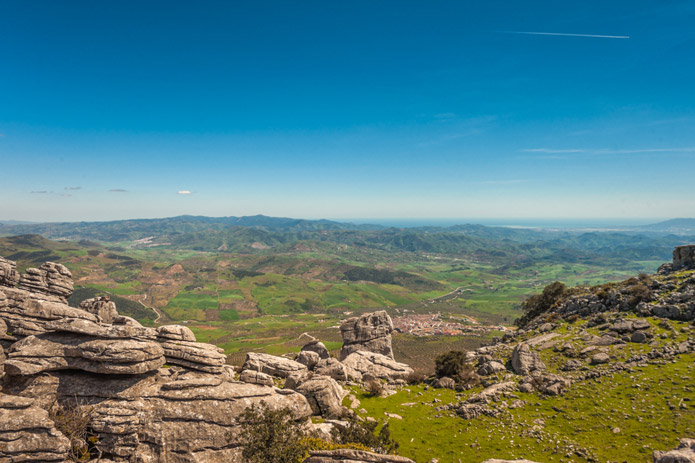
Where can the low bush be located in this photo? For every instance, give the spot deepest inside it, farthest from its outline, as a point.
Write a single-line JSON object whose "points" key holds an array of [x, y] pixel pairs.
{"points": [[364, 433], [72, 419]]}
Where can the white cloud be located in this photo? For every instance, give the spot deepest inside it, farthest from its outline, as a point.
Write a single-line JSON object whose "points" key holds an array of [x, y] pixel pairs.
{"points": [[73, 187], [569, 35], [183, 192]]}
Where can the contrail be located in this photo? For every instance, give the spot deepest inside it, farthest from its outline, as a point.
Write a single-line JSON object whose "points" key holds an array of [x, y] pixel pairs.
{"points": [[569, 35]]}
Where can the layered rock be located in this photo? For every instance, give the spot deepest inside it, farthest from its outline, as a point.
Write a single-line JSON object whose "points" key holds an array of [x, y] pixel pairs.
{"points": [[102, 307], [72, 351], [337, 370], [27, 434], [684, 453], [272, 365], [377, 366], [370, 332], [684, 257], [169, 415], [353, 456], [51, 279], [8, 273], [195, 355]]}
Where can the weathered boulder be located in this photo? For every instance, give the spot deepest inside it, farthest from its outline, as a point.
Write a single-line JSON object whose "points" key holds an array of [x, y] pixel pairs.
{"points": [[337, 370], [353, 456], [27, 434], [256, 377], [69, 351], [490, 368], [445, 383], [8, 273], [684, 453], [272, 365], [684, 256], [308, 358], [377, 365], [370, 332], [51, 278], [196, 355], [525, 361], [2, 362], [324, 395], [600, 358], [102, 307], [175, 333], [318, 347]]}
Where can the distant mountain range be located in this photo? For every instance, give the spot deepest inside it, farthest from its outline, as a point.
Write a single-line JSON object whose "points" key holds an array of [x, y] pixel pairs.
{"points": [[258, 233]]}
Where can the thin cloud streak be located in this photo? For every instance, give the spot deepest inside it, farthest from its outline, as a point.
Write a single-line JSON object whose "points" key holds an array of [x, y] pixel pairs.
{"points": [[568, 35], [183, 192], [117, 190], [609, 151]]}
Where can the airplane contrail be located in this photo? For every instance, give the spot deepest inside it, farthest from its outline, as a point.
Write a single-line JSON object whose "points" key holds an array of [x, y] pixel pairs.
{"points": [[569, 35]]}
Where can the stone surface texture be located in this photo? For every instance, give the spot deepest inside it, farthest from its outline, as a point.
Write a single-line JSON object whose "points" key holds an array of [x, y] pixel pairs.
{"points": [[370, 332]]}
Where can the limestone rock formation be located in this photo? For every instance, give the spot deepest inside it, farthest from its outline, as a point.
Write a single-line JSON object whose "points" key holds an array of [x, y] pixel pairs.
{"points": [[353, 456], [684, 257], [525, 361], [8, 273], [272, 365], [69, 351], [684, 453], [308, 358], [337, 370], [377, 365], [324, 395], [256, 377], [51, 278], [318, 347], [27, 434], [370, 332], [196, 355], [102, 307]]}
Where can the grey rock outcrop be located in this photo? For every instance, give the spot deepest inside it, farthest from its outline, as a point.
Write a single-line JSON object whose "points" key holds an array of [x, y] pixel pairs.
{"points": [[195, 355], [102, 307], [272, 365], [308, 358], [377, 365], [27, 434], [684, 256], [337, 370], [353, 456], [525, 361], [51, 278], [256, 377], [370, 332], [8, 273], [70, 351], [324, 395], [318, 347], [684, 453]]}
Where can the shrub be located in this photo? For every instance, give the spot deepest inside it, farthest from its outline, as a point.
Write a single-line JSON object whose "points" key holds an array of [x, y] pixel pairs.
{"points": [[72, 419], [374, 388], [364, 433], [449, 363], [541, 303], [416, 377], [271, 436], [453, 364], [638, 293]]}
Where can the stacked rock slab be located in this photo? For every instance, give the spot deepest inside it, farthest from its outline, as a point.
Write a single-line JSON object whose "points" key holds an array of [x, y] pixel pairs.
{"points": [[139, 410], [369, 332], [684, 257], [102, 307], [27, 434], [370, 364], [51, 279]]}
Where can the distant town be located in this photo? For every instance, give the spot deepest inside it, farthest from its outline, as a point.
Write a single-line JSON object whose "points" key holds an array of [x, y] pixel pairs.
{"points": [[433, 325]]}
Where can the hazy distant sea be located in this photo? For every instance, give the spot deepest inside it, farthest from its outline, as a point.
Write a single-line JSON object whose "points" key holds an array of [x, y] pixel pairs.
{"points": [[520, 223]]}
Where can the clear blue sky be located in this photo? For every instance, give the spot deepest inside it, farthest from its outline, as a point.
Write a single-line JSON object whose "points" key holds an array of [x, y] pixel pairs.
{"points": [[110, 109]]}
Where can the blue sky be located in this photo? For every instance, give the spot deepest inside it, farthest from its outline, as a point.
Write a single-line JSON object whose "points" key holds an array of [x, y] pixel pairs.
{"points": [[370, 109]]}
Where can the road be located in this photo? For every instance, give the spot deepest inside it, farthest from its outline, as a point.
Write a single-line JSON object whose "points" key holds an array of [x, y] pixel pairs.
{"points": [[160, 314]]}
